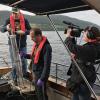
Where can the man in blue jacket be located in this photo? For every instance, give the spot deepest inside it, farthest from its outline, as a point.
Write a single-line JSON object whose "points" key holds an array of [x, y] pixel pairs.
{"points": [[17, 25], [41, 61]]}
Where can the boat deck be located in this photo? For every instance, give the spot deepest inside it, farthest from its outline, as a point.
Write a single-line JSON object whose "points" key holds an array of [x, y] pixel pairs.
{"points": [[56, 88]]}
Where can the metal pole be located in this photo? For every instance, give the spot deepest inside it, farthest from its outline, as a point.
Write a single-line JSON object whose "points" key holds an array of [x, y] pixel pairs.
{"points": [[56, 73], [54, 11], [98, 79], [97, 68], [96, 72], [74, 61], [16, 3]]}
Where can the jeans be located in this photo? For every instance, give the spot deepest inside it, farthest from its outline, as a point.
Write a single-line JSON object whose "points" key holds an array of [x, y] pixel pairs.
{"points": [[41, 92], [23, 60], [83, 93]]}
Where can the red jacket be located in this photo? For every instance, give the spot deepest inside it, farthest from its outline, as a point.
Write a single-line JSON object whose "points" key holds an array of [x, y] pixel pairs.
{"points": [[37, 55], [22, 22]]}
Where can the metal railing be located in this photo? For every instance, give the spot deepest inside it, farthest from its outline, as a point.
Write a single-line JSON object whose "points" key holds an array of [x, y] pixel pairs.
{"points": [[56, 65]]}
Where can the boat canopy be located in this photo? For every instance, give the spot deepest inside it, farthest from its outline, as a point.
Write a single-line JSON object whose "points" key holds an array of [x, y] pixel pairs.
{"points": [[45, 7]]}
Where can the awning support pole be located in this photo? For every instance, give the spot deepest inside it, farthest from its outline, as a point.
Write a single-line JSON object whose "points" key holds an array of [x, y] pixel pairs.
{"points": [[16, 3], [74, 61]]}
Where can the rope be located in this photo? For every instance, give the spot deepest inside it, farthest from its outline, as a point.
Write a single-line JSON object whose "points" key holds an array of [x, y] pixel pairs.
{"points": [[18, 62], [20, 59]]}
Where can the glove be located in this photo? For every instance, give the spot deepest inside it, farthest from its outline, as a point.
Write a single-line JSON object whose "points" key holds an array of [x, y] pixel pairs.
{"points": [[23, 54], [40, 83]]}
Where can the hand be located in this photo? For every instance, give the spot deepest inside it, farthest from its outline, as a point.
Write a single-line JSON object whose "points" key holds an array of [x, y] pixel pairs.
{"points": [[22, 54], [40, 83], [20, 32], [72, 56], [8, 27], [69, 32]]}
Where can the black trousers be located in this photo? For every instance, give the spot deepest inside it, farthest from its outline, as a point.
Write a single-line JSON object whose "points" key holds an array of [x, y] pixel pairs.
{"points": [[41, 92]]}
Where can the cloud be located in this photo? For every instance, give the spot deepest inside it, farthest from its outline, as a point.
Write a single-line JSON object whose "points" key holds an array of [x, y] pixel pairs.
{"points": [[7, 8], [3, 7], [89, 15]]}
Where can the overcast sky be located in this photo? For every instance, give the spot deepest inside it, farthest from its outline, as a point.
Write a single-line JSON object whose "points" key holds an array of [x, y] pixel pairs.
{"points": [[7, 8], [90, 15]]}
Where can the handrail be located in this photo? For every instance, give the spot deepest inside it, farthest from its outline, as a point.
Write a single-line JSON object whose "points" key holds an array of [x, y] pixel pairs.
{"points": [[56, 65], [65, 66], [60, 64]]}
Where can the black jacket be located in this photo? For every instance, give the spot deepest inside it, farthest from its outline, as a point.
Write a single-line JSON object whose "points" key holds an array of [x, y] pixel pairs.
{"points": [[85, 54], [22, 40], [42, 68]]}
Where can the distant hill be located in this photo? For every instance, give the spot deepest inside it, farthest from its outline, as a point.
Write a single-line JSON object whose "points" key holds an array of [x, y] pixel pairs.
{"points": [[43, 22]]}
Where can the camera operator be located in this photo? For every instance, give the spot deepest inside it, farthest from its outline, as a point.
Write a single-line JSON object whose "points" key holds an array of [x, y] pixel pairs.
{"points": [[85, 56]]}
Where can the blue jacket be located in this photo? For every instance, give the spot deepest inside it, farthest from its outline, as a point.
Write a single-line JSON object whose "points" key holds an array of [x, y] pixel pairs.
{"points": [[42, 68]]}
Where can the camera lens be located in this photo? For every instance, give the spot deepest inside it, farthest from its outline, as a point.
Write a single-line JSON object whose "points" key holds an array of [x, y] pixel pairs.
{"points": [[76, 33]]}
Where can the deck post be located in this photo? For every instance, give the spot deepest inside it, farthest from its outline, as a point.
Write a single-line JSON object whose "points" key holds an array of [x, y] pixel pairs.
{"points": [[56, 72]]}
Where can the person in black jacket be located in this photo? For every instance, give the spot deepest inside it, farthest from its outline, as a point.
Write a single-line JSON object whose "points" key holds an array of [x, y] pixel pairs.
{"points": [[41, 61], [17, 25], [85, 56]]}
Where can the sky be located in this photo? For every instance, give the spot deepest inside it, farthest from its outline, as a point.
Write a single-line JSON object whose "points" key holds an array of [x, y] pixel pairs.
{"points": [[7, 8], [90, 15]]}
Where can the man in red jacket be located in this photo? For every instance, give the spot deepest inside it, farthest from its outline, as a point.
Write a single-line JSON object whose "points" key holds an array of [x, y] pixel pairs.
{"points": [[18, 25]]}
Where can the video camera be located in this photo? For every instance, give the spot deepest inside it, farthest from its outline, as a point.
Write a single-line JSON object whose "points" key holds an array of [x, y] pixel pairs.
{"points": [[76, 30]]}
